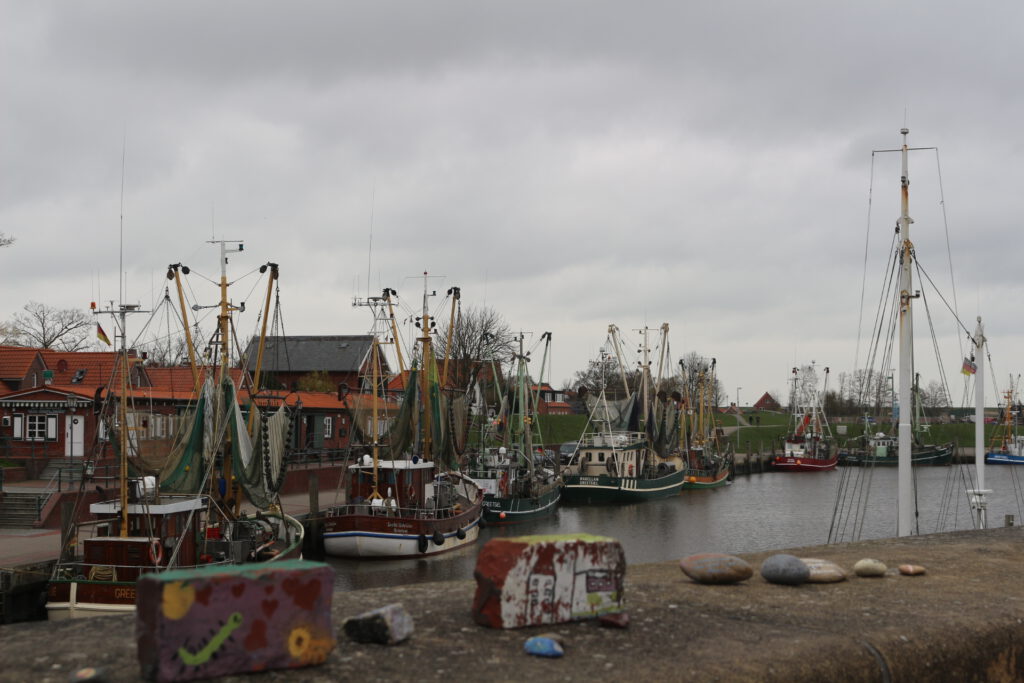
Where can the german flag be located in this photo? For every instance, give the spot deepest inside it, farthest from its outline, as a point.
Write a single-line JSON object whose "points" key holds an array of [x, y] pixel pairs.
{"points": [[102, 335]]}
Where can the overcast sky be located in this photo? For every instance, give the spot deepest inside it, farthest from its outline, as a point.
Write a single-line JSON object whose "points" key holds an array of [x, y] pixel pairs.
{"points": [[570, 164]]}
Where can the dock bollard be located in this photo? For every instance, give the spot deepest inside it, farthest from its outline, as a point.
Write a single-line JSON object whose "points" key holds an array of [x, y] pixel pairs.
{"points": [[1008, 520]]}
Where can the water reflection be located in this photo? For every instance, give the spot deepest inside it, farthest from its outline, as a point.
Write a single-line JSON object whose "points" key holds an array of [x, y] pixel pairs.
{"points": [[755, 513]]}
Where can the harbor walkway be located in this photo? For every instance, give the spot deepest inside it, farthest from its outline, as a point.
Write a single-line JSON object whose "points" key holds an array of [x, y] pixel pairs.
{"points": [[961, 621]]}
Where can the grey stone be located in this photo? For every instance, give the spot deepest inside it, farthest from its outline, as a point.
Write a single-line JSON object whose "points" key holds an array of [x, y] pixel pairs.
{"points": [[387, 625], [823, 571], [911, 569], [785, 569], [869, 567], [716, 568]]}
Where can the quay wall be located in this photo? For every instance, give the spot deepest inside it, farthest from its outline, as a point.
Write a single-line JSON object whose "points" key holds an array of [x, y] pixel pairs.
{"points": [[961, 621]]}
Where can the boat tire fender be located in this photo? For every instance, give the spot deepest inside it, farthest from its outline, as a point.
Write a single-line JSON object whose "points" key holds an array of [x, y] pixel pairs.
{"points": [[482, 522], [438, 538], [421, 542], [156, 552], [460, 534]]}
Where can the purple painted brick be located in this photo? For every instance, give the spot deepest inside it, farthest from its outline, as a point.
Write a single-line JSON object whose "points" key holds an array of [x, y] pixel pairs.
{"points": [[216, 621]]}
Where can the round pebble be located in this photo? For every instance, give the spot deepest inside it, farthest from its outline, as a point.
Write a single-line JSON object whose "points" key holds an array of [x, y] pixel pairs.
{"points": [[911, 569], [869, 567], [716, 568], [784, 569], [823, 571], [543, 647]]}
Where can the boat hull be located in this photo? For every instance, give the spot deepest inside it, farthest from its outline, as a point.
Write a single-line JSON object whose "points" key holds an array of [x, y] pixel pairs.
{"points": [[702, 479], [605, 488], [71, 599], [369, 536], [500, 510], [787, 463], [927, 455], [1004, 459]]}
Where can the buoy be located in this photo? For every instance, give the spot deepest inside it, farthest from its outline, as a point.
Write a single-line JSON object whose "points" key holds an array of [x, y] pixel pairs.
{"points": [[460, 534], [693, 479], [438, 538], [501, 515]]}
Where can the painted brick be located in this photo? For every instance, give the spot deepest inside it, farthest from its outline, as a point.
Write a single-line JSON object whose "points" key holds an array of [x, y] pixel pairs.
{"points": [[216, 621], [533, 580]]}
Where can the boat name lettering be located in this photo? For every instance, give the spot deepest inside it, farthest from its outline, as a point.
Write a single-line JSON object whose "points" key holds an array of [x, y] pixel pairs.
{"points": [[399, 525], [124, 593], [588, 481], [492, 505]]}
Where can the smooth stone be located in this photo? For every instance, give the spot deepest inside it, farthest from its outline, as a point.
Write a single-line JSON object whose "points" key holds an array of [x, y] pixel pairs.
{"points": [[387, 625], [617, 620], [911, 569], [869, 567], [716, 568], [540, 646], [823, 571], [784, 569], [557, 637]]}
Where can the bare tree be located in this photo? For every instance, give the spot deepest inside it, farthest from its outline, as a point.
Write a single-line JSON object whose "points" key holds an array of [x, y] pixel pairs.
{"points": [[50, 328], [6, 240], [479, 337], [934, 395], [694, 369]]}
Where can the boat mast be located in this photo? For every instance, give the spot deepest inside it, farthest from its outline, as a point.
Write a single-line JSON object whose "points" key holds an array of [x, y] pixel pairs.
{"points": [[375, 428], [261, 345], [224, 322], [613, 332], [173, 274], [456, 295], [426, 350], [977, 496], [904, 496]]}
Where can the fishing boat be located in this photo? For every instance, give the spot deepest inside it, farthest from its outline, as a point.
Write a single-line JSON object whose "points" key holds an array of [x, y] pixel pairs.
{"points": [[617, 461], [415, 503], [708, 458], [1006, 446], [166, 514], [518, 484], [808, 447]]}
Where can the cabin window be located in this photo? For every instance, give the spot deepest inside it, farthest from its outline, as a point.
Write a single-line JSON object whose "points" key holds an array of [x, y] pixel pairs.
{"points": [[600, 456], [19, 426]]}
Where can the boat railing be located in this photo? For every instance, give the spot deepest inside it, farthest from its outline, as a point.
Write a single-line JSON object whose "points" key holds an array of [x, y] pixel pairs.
{"points": [[395, 511], [611, 439], [80, 570]]}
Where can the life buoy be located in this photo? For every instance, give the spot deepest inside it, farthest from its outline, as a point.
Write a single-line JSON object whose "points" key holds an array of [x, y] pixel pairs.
{"points": [[156, 552]]}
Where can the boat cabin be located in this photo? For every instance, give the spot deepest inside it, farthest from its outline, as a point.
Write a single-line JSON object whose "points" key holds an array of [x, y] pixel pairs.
{"points": [[619, 454]]}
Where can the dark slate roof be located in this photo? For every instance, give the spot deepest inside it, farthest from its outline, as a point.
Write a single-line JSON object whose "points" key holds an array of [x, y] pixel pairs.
{"points": [[340, 353]]}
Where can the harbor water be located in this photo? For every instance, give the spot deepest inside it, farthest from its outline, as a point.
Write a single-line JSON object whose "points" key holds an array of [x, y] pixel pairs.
{"points": [[754, 513]]}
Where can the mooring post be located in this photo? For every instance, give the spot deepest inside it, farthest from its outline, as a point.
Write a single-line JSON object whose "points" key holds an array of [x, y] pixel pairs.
{"points": [[1008, 520]]}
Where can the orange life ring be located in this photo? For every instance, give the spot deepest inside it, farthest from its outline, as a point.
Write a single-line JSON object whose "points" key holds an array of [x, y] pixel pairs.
{"points": [[156, 552]]}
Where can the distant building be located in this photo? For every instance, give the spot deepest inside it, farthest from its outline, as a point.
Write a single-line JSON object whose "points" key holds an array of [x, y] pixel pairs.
{"points": [[767, 402], [345, 359]]}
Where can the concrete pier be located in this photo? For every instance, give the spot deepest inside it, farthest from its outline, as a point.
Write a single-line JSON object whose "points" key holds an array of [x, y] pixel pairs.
{"points": [[962, 621]]}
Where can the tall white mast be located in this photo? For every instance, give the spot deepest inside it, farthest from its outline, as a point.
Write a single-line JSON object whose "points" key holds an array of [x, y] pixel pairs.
{"points": [[977, 496], [905, 494]]}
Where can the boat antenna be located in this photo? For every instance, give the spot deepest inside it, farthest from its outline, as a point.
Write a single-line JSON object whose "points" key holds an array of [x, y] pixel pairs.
{"points": [[369, 251], [120, 255]]}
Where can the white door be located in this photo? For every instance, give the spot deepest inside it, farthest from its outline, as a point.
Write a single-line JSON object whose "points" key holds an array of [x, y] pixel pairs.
{"points": [[74, 436]]}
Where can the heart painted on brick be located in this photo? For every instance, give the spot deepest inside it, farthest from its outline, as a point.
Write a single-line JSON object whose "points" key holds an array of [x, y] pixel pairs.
{"points": [[257, 638], [203, 595], [303, 593], [238, 589], [269, 589], [269, 607]]}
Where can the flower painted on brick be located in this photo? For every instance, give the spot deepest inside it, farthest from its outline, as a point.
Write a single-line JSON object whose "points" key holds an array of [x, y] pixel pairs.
{"points": [[178, 597]]}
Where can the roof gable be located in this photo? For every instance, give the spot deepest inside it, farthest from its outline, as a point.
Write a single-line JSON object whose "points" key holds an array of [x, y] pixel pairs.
{"points": [[337, 353], [15, 361]]}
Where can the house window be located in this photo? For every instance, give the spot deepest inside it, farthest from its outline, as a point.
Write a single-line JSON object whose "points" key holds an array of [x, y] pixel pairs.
{"points": [[19, 426], [40, 427], [328, 427]]}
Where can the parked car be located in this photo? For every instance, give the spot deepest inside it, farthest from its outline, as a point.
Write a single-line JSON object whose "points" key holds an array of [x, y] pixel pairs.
{"points": [[567, 451]]}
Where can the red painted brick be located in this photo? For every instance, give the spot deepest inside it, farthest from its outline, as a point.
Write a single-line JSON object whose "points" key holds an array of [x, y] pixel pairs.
{"points": [[532, 580]]}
